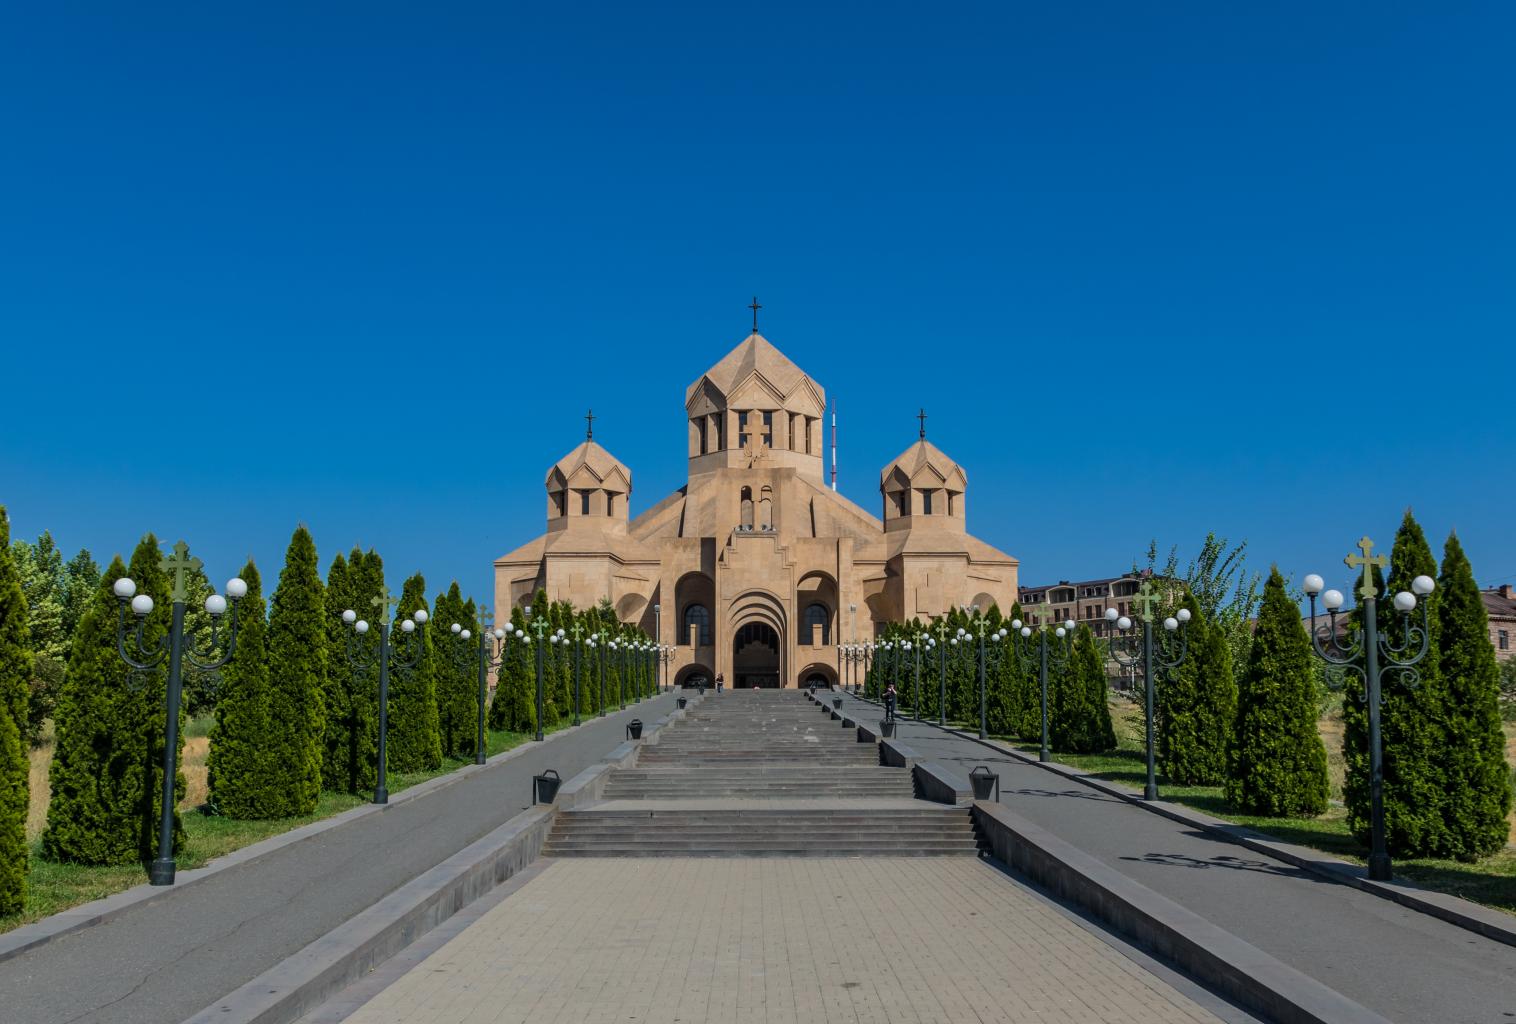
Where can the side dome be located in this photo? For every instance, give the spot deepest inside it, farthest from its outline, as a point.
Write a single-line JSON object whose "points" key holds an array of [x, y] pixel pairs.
{"points": [[922, 485], [589, 483]]}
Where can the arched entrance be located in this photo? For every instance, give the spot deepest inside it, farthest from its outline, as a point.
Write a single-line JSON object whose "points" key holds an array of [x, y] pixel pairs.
{"points": [[755, 656], [692, 676]]}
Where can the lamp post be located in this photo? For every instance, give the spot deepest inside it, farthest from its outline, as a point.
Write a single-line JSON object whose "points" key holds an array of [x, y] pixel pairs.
{"points": [[388, 653], [144, 657], [617, 646], [1047, 650], [993, 652], [540, 627], [491, 653], [597, 643], [658, 646], [665, 659], [578, 634], [1146, 598], [1371, 657]]}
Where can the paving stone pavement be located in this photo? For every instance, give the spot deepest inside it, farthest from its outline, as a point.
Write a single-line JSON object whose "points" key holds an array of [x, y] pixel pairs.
{"points": [[1404, 964], [876, 939]]}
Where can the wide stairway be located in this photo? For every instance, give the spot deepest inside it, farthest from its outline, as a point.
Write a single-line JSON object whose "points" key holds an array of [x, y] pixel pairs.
{"points": [[760, 774]]}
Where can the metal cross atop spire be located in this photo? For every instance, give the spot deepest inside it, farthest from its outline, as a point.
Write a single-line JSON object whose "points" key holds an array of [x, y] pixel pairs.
{"points": [[1354, 561], [921, 415], [755, 308], [589, 425], [1146, 597]]}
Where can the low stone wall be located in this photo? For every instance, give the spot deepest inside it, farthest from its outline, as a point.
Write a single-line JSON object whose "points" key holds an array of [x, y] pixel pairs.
{"points": [[1235, 968]]}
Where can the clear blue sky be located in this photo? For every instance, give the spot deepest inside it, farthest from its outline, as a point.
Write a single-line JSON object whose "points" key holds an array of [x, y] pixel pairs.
{"points": [[1152, 270]]}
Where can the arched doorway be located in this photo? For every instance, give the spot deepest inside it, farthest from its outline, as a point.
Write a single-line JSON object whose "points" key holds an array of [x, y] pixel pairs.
{"points": [[692, 676], [755, 656]]}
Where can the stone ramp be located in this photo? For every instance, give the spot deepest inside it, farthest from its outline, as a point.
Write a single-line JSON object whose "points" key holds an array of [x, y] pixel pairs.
{"points": [[760, 775]]}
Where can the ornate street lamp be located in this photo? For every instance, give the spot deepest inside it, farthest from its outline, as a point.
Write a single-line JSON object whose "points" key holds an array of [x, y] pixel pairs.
{"points": [[1361, 655], [1054, 644], [618, 647], [1177, 623], [362, 659], [144, 657], [491, 654], [665, 659], [540, 627], [991, 654], [597, 643]]}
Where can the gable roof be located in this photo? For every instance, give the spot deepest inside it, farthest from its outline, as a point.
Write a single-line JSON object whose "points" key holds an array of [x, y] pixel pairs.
{"points": [[593, 457]]}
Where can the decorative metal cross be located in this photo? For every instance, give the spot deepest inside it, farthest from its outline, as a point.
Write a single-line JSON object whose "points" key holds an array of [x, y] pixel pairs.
{"points": [[1147, 597], [485, 622], [921, 415], [589, 425], [178, 563], [1354, 561], [1044, 613], [755, 308], [383, 602]]}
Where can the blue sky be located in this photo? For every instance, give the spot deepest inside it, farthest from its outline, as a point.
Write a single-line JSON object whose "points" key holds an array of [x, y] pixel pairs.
{"points": [[1152, 269]]}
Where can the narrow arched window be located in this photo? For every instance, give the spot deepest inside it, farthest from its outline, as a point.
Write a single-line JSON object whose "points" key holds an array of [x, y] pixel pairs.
{"points": [[818, 615], [746, 521], [697, 616]]}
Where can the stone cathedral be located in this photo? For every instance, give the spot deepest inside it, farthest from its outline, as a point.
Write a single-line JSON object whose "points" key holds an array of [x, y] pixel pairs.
{"points": [[755, 568]]}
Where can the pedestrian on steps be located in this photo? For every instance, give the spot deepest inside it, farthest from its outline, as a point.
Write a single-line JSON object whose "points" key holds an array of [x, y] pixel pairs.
{"points": [[889, 703]]}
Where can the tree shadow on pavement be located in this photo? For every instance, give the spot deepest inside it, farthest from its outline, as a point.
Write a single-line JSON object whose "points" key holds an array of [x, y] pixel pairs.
{"points": [[1181, 860]]}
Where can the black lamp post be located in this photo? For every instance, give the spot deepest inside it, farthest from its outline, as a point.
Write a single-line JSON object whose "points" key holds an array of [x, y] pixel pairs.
{"points": [[1146, 598], [1371, 657], [540, 627], [144, 657], [665, 659], [1055, 648], [578, 634], [618, 648], [362, 659], [987, 655], [491, 652], [597, 643]]}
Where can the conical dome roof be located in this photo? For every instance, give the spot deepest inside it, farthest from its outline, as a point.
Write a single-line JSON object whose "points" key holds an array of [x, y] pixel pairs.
{"points": [[754, 354], [592, 457], [924, 455]]}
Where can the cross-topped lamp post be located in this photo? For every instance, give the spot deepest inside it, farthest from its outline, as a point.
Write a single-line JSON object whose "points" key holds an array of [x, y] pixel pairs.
{"points": [[540, 627], [362, 659], [1054, 643], [1124, 650], [144, 657], [578, 634], [597, 643], [491, 654], [1371, 657], [991, 653]]}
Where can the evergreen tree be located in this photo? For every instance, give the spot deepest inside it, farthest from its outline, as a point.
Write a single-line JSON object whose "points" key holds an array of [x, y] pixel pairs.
{"points": [[1477, 779], [1195, 707], [15, 673], [1411, 722], [107, 770], [414, 741], [80, 578], [297, 648], [1007, 685], [513, 709], [354, 745], [237, 759], [1079, 717], [456, 661], [40, 573], [1276, 763]]}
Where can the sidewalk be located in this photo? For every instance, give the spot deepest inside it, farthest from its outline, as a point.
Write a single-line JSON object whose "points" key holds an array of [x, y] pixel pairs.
{"points": [[165, 960], [1403, 964]]}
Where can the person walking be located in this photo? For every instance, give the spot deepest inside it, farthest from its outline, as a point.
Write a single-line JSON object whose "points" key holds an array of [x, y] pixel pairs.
{"points": [[720, 681], [889, 703]]}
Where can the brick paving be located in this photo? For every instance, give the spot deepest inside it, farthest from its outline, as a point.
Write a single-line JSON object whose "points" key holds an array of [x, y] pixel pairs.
{"points": [[875, 939]]}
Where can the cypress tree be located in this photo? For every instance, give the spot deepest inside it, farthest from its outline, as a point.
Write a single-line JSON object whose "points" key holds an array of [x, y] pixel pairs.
{"points": [[1007, 685], [414, 741], [1079, 719], [1276, 763], [15, 694], [107, 769], [456, 665], [1196, 706], [339, 740], [297, 648], [1411, 722], [365, 572], [235, 765], [1477, 779], [513, 708]]}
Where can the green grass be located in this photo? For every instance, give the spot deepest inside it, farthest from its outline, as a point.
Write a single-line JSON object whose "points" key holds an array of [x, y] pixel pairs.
{"points": [[1491, 882], [54, 887]]}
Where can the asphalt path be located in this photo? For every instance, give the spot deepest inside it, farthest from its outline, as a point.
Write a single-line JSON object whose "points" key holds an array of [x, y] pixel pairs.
{"points": [[162, 962], [1405, 965]]}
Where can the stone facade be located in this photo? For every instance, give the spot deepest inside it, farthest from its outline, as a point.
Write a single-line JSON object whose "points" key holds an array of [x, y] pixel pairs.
{"points": [[755, 569], [1500, 606]]}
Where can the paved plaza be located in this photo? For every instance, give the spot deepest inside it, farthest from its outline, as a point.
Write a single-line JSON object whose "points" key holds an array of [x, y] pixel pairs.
{"points": [[873, 939]]}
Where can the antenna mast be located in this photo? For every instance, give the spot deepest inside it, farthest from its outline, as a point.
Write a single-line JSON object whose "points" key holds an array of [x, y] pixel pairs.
{"points": [[834, 444]]}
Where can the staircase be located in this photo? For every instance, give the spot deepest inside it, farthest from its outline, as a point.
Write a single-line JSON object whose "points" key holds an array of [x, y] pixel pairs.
{"points": [[760, 774]]}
